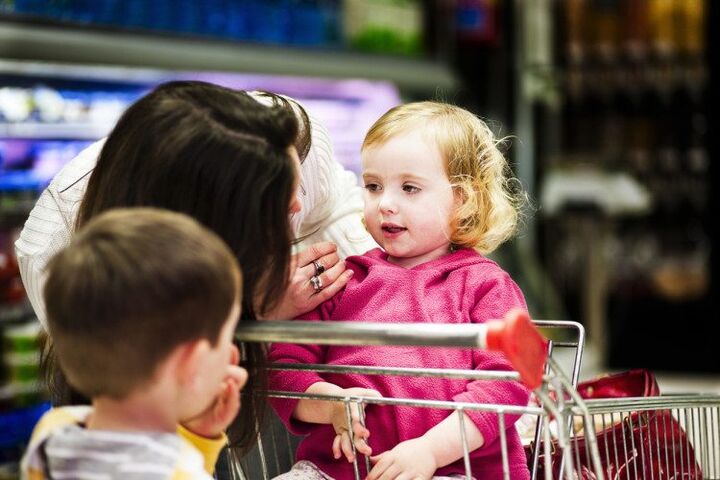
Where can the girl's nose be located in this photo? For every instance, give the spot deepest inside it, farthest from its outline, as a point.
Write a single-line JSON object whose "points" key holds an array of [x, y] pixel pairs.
{"points": [[387, 204]]}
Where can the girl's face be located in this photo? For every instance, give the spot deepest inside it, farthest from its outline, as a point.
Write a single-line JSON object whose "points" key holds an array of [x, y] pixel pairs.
{"points": [[408, 199]]}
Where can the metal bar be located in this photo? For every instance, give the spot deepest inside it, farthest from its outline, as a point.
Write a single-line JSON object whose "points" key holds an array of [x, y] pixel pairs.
{"points": [[642, 445], [408, 402], [706, 449], [587, 448], [632, 444], [672, 442], [664, 438], [275, 449], [362, 333], [614, 437], [547, 442], [605, 440], [399, 371], [715, 421], [362, 422], [236, 467], [503, 446], [576, 446], [463, 440], [291, 457], [562, 435], [539, 422], [685, 447], [651, 403], [261, 451], [694, 441], [351, 434], [580, 406], [650, 444]]}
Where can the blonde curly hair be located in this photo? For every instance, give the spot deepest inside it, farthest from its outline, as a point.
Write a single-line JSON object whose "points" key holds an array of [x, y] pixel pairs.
{"points": [[491, 197]]}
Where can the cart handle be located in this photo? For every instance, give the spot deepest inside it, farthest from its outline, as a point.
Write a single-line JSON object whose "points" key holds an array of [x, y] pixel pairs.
{"points": [[515, 336], [521, 342]]}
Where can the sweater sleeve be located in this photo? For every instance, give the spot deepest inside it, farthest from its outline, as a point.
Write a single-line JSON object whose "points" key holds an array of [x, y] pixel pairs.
{"points": [[297, 381], [332, 205], [50, 224], [497, 296], [293, 381]]}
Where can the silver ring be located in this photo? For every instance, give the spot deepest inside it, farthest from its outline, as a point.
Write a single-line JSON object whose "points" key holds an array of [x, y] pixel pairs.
{"points": [[316, 282], [319, 267]]}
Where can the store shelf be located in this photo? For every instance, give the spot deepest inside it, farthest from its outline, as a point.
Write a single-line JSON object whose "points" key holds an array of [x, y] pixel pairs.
{"points": [[60, 131], [15, 313], [27, 41]]}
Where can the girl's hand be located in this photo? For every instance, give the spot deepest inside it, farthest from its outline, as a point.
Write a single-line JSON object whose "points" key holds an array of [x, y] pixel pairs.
{"points": [[213, 421], [342, 443], [409, 460], [301, 295]]}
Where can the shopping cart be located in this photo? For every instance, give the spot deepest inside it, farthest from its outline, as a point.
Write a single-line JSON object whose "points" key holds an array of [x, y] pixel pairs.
{"points": [[658, 438], [558, 402]]}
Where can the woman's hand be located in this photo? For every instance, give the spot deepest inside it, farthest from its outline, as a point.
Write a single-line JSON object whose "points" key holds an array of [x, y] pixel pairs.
{"points": [[302, 296]]}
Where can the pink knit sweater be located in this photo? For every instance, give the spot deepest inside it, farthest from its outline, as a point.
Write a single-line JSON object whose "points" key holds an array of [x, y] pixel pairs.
{"points": [[460, 287]]}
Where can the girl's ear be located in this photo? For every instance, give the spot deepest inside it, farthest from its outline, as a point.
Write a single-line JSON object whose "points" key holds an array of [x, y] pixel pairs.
{"points": [[457, 197], [189, 358]]}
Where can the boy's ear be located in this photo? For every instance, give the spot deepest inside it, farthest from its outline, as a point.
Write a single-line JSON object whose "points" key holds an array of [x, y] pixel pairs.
{"points": [[189, 358]]}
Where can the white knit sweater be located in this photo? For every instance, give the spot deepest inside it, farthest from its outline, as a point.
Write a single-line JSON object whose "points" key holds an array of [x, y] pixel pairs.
{"points": [[331, 210]]}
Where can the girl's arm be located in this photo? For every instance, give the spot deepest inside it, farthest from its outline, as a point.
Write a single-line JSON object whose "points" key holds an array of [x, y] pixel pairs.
{"points": [[420, 457], [320, 411], [298, 381], [299, 415], [498, 294], [335, 414]]}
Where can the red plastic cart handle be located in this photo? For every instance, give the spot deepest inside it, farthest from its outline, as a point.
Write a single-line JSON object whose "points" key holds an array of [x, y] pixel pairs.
{"points": [[522, 344]]}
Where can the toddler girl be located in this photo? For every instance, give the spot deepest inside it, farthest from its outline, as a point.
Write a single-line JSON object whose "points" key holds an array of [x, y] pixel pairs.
{"points": [[439, 195]]}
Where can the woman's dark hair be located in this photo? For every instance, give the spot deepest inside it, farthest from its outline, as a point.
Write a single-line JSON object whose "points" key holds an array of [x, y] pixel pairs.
{"points": [[217, 155], [221, 157]]}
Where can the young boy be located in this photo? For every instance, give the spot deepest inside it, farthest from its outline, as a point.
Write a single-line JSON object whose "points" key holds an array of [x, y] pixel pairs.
{"points": [[142, 307]]}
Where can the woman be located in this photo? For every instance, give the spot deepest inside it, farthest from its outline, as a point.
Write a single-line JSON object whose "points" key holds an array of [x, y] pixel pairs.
{"points": [[331, 207], [230, 160]]}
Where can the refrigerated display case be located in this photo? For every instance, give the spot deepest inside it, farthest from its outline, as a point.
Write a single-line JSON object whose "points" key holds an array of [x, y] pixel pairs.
{"points": [[623, 172]]}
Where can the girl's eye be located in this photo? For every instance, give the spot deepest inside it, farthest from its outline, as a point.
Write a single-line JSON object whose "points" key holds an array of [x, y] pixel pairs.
{"points": [[411, 189], [372, 187]]}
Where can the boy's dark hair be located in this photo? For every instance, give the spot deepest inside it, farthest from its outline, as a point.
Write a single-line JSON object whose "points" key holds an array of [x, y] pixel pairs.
{"points": [[133, 285]]}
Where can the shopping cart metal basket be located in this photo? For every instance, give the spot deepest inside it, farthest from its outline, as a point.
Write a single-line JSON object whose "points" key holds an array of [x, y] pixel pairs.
{"points": [[658, 438], [558, 403]]}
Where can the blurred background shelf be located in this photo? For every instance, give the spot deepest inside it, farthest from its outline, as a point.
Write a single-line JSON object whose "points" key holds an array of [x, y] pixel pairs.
{"points": [[79, 131], [22, 40]]}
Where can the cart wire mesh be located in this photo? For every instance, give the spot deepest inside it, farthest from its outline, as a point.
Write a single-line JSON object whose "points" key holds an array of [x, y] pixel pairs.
{"points": [[557, 404]]}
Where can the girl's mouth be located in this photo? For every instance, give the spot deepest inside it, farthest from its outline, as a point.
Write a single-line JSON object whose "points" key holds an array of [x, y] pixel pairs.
{"points": [[391, 230]]}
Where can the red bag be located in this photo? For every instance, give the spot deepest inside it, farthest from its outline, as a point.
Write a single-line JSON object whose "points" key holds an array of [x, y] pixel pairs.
{"points": [[635, 445], [633, 383]]}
